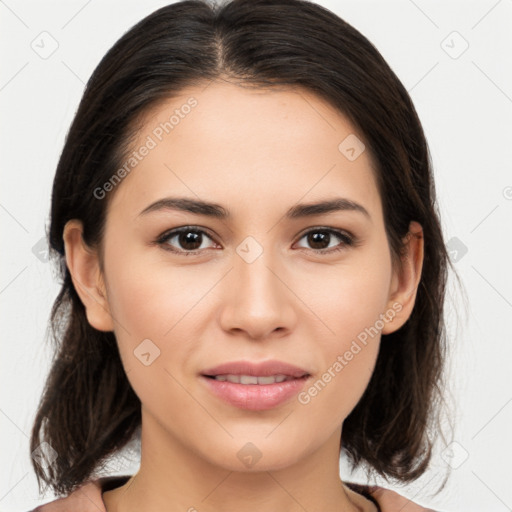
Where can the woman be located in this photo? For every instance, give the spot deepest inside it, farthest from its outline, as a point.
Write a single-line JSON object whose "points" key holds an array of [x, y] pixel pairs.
{"points": [[253, 269]]}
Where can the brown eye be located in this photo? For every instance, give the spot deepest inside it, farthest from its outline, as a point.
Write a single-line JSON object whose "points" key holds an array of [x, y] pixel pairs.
{"points": [[190, 240], [320, 239], [184, 240]]}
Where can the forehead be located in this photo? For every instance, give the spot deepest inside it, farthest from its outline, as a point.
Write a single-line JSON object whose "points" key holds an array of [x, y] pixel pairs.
{"points": [[247, 144]]}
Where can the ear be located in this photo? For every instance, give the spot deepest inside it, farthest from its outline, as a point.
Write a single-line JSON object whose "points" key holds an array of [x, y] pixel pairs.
{"points": [[405, 280], [84, 267]]}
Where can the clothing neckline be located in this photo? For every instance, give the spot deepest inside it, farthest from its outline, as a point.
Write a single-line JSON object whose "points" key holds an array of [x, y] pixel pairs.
{"points": [[364, 490], [108, 483]]}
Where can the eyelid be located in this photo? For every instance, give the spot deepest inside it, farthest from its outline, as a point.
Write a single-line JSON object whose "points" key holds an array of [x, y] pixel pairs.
{"points": [[348, 239], [171, 233], [330, 229]]}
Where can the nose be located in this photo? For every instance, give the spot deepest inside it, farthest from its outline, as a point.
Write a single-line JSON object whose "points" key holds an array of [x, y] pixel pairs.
{"points": [[257, 299]]}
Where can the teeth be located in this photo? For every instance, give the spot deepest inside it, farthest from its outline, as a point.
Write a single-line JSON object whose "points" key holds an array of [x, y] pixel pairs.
{"points": [[248, 379], [267, 380], [253, 379]]}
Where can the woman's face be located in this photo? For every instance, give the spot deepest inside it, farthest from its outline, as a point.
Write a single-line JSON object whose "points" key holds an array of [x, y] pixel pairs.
{"points": [[256, 285]]}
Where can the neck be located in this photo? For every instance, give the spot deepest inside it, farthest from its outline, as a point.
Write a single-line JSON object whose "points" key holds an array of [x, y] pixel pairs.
{"points": [[172, 477]]}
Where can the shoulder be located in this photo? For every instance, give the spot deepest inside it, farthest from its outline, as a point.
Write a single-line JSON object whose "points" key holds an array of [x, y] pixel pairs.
{"points": [[86, 498]]}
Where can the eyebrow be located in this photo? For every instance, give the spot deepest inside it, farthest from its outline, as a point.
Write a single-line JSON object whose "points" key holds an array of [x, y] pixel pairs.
{"points": [[217, 211]]}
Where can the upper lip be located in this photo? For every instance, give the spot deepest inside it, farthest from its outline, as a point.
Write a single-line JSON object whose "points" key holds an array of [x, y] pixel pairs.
{"points": [[262, 369]]}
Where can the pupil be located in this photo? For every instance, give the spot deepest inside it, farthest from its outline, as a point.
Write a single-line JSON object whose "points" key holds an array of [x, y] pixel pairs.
{"points": [[190, 237], [318, 237]]}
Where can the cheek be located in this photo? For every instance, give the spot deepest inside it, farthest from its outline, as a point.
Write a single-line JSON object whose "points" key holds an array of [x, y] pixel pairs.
{"points": [[353, 307], [151, 315], [152, 299], [357, 305], [149, 296], [351, 297]]}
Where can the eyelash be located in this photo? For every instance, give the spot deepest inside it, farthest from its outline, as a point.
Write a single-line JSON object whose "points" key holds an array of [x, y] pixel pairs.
{"points": [[348, 240]]}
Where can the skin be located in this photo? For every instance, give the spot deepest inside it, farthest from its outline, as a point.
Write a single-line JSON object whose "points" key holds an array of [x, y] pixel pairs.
{"points": [[257, 153], [89, 498]]}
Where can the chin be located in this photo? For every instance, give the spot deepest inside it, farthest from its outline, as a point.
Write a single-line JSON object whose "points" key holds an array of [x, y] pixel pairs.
{"points": [[254, 457]]}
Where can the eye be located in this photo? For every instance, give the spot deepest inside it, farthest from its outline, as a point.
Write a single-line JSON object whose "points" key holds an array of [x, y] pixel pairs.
{"points": [[189, 240], [321, 238]]}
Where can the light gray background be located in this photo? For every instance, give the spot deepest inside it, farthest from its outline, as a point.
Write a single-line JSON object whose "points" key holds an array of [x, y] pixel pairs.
{"points": [[464, 99]]}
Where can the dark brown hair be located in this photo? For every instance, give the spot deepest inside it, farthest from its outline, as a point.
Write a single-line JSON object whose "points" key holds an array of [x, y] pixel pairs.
{"points": [[88, 411]]}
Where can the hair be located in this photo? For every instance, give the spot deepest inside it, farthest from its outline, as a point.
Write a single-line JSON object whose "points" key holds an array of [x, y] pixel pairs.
{"points": [[88, 410]]}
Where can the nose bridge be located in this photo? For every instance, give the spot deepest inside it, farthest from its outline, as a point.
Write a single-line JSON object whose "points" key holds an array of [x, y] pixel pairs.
{"points": [[258, 301]]}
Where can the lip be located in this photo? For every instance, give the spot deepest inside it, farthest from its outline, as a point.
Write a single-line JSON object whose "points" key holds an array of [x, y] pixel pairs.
{"points": [[263, 368], [256, 397]]}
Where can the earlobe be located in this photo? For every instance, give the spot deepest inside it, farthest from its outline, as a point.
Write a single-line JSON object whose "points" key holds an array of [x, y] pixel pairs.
{"points": [[405, 281], [84, 267]]}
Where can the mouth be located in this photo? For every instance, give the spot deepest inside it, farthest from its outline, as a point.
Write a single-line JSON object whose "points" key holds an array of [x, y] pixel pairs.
{"points": [[255, 386], [252, 379]]}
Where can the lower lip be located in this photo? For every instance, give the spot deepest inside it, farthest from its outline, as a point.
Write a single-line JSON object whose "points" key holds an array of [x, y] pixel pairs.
{"points": [[256, 397]]}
